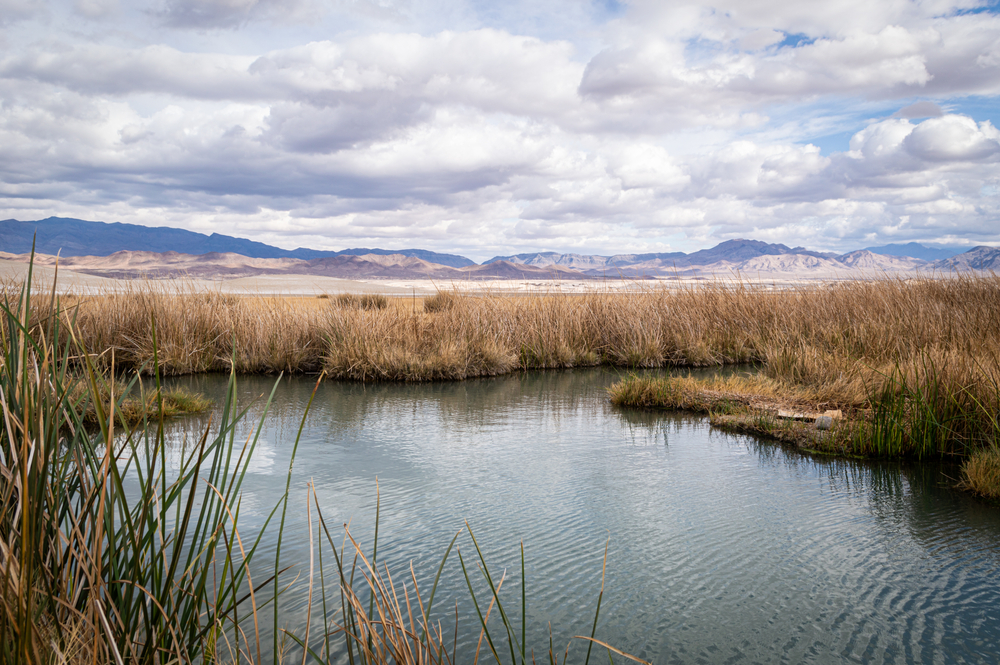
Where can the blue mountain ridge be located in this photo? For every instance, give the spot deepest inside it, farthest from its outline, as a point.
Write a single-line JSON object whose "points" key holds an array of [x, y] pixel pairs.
{"points": [[77, 237], [918, 251], [730, 250]]}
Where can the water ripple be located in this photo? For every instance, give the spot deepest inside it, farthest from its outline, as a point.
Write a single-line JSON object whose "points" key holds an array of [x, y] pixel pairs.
{"points": [[721, 549]]}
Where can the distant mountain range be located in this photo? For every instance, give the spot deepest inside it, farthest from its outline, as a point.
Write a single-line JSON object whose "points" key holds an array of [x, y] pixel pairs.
{"points": [[978, 258], [917, 251], [127, 250], [76, 237], [219, 265], [732, 251]]}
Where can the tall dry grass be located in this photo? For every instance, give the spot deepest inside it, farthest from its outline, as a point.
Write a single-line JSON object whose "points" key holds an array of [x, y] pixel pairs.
{"points": [[918, 360], [200, 332], [361, 301], [103, 559], [922, 355], [839, 339]]}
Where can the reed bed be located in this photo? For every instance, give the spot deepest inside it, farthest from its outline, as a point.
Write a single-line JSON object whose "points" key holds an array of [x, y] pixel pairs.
{"points": [[135, 405], [981, 472], [92, 572], [680, 393], [921, 356], [440, 301], [200, 332], [837, 339], [922, 413]]}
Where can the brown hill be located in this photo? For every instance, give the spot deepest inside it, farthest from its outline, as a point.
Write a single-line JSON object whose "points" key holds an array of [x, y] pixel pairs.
{"points": [[508, 270], [217, 265], [863, 259], [168, 265], [762, 260], [978, 258], [375, 266]]}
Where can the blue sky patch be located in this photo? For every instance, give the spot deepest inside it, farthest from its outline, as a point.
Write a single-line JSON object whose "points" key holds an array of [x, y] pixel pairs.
{"points": [[794, 40]]}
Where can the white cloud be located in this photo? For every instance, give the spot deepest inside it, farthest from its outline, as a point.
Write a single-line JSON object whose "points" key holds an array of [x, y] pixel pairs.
{"points": [[481, 140], [110, 70], [892, 57], [953, 138], [645, 166], [922, 109]]}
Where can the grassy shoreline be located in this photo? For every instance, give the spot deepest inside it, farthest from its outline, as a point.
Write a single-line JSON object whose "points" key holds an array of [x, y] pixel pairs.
{"points": [[895, 422], [923, 351], [812, 334], [916, 361], [89, 573]]}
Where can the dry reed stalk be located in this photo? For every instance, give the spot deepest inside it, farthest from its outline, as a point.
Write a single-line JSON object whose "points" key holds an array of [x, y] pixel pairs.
{"points": [[981, 473], [88, 572], [837, 340], [202, 332]]}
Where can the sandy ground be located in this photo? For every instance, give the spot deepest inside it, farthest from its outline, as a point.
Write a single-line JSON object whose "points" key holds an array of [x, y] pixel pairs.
{"points": [[310, 285], [543, 287], [291, 285]]}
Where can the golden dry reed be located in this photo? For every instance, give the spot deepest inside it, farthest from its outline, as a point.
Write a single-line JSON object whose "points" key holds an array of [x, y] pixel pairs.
{"points": [[922, 357], [835, 339], [981, 472]]}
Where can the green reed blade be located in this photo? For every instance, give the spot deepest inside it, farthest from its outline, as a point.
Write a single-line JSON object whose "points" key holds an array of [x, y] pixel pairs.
{"points": [[511, 634], [437, 578], [479, 612], [524, 603], [600, 597], [284, 509]]}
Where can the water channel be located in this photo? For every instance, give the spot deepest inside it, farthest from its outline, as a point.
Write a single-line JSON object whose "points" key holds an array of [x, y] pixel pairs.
{"points": [[723, 549]]}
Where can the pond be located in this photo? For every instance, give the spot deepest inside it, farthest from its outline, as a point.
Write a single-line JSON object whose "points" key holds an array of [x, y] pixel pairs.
{"points": [[721, 548]]}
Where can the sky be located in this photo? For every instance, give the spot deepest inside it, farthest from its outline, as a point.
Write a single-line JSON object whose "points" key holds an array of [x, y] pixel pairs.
{"points": [[492, 128]]}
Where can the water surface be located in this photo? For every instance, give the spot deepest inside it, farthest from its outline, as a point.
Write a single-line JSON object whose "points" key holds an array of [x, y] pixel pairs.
{"points": [[722, 549]]}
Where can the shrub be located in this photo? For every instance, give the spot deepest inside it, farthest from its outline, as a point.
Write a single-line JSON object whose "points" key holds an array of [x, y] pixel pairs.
{"points": [[361, 301], [440, 302]]}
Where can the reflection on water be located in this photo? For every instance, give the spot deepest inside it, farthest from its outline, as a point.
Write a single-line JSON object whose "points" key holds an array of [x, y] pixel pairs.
{"points": [[722, 549]]}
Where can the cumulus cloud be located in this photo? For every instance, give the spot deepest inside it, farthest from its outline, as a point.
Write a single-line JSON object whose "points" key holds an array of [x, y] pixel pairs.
{"points": [[487, 69], [953, 139], [482, 140], [941, 56]]}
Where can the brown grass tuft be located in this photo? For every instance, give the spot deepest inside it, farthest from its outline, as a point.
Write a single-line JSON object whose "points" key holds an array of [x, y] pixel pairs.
{"points": [[981, 472], [361, 301], [440, 301]]}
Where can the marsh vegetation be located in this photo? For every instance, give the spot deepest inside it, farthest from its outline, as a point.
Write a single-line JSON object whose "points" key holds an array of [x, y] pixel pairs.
{"points": [[105, 557], [916, 362], [914, 366], [109, 556], [833, 339]]}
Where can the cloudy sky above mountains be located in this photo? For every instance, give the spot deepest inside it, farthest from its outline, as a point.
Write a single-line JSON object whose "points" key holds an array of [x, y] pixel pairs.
{"points": [[488, 128]]}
